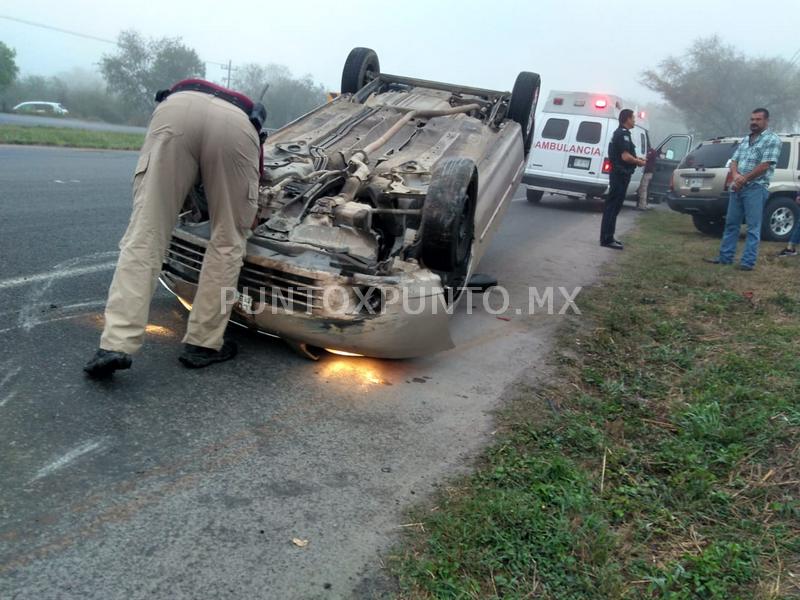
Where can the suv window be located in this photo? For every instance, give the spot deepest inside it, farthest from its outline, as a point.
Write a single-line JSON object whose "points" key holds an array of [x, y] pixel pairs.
{"points": [[555, 129], [783, 159], [711, 155], [589, 132]]}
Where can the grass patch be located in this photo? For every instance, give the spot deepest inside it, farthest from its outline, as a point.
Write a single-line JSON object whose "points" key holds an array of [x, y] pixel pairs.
{"points": [[72, 138], [662, 459]]}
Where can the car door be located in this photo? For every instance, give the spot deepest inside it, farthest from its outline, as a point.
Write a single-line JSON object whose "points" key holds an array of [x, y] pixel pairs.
{"points": [[671, 152]]}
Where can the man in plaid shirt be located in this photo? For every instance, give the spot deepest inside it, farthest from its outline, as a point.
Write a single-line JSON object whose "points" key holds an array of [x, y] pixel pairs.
{"points": [[751, 168]]}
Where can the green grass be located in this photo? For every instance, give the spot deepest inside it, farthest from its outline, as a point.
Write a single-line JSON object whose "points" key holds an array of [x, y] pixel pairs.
{"points": [[660, 461], [73, 138]]}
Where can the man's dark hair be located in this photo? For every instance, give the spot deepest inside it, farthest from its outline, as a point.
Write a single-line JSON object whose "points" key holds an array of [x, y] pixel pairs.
{"points": [[624, 115], [764, 111]]}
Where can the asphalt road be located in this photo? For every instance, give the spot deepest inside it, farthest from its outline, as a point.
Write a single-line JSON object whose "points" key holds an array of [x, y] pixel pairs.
{"points": [[170, 483], [41, 121]]}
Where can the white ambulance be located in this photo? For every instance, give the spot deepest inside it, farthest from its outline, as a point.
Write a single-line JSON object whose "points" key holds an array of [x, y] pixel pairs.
{"points": [[570, 152]]}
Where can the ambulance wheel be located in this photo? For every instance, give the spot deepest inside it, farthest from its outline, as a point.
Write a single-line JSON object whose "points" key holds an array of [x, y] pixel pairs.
{"points": [[361, 67], [534, 196], [522, 108], [448, 220]]}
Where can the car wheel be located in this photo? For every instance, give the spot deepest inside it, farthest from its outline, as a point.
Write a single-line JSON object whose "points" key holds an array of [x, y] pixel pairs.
{"points": [[361, 67], [780, 217], [534, 196], [448, 220], [709, 225], [522, 108]]}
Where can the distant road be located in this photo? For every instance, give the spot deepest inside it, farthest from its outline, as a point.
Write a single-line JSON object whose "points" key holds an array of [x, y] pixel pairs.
{"points": [[28, 120]]}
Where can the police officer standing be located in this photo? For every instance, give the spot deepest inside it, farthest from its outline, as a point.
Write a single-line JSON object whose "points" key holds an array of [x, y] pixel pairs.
{"points": [[622, 154]]}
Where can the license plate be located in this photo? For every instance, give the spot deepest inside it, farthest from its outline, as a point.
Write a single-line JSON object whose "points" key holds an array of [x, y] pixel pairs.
{"points": [[581, 163], [695, 182], [244, 303]]}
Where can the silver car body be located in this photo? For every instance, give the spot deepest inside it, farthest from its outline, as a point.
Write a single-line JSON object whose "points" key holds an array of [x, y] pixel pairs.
{"points": [[306, 269]]}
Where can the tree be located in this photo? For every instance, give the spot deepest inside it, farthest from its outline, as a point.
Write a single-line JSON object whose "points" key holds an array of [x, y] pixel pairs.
{"points": [[140, 68], [8, 66], [715, 87], [286, 97]]}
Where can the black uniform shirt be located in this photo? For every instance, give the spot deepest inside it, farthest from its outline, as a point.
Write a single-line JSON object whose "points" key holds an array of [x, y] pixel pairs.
{"points": [[621, 142]]}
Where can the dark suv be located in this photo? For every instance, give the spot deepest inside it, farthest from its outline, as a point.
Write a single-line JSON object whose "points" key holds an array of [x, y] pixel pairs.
{"points": [[700, 187]]}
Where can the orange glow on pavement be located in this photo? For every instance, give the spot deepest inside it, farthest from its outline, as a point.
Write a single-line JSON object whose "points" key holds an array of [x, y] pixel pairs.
{"points": [[359, 373], [158, 330]]}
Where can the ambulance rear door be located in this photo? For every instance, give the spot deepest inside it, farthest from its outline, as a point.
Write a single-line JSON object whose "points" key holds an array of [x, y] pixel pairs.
{"points": [[583, 149], [546, 158]]}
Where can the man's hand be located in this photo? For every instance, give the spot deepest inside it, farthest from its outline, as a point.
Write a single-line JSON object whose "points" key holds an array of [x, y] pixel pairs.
{"points": [[797, 199]]}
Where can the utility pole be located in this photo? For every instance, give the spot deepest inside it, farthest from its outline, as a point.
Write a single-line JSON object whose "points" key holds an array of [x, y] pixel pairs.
{"points": [[228, 68]]}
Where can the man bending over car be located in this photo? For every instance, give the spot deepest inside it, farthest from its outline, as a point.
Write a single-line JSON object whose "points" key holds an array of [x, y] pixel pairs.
{"points": [[196, 128]]}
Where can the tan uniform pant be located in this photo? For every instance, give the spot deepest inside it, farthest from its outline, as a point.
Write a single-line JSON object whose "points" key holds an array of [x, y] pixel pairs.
{"points": [[644, 189], [191, 135]]}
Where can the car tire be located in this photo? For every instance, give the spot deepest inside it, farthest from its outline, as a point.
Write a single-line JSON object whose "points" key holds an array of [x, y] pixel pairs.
{"points": [[534, 196], [448, 220], [709, 225], [522, 107], [780, 217], [361, 67]]}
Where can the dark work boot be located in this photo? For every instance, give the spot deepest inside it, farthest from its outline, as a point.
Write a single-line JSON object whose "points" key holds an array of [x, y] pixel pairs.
{"points": [[197, 357], [105, 362]]}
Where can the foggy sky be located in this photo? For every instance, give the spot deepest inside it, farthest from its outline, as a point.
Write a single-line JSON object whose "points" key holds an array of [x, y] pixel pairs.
{"points": [[597, 45]]}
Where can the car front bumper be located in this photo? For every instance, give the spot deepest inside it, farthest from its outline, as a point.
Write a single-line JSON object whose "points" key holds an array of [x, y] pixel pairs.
{"points": [[314, 307]]}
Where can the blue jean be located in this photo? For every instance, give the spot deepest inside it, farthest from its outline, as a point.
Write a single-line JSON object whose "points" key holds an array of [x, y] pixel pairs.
{"points": [[748, 204], [795, 238]]}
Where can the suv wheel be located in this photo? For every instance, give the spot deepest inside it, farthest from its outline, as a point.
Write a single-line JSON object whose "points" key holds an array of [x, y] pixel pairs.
{"points": [[709, 225], [780, 217]]}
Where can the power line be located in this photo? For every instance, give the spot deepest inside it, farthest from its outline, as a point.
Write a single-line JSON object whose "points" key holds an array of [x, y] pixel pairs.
{"points": [[93, 37], [67, 31]]}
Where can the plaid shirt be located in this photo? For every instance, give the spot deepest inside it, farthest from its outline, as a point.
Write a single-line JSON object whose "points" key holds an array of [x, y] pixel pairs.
{"points": [[766, 148]]}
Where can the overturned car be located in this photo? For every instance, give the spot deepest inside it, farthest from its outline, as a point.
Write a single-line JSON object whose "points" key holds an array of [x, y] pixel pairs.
{"points": [[375, 209]]}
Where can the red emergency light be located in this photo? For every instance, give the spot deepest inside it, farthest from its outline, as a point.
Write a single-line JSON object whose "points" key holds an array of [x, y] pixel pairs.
{"points": [[600, 103], [642, 115], [558, 101]]}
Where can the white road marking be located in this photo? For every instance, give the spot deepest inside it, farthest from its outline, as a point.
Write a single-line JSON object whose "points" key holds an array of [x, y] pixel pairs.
{"points": [[57, 181], [11, 374], [66, 273], [28, 318], [92, 304], [8, 397], [69, 457]]}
